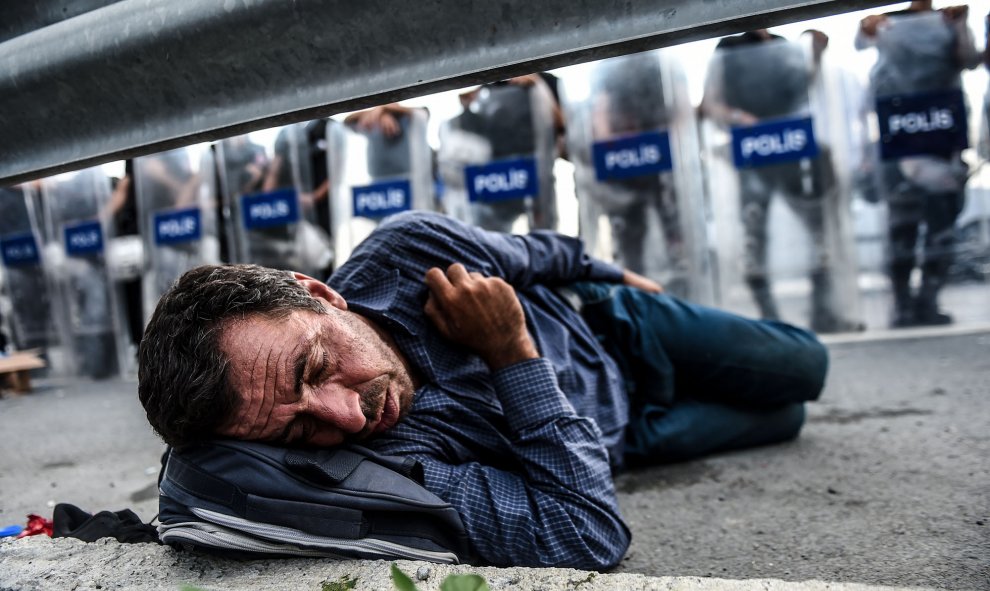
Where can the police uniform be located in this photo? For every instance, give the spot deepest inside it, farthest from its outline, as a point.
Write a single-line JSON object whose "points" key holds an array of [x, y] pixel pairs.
{"points": [[631, 92], [777, 86], [920, 55]]}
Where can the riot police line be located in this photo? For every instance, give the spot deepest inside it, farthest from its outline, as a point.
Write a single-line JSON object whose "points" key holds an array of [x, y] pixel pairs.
{"points": [[742, 202]]}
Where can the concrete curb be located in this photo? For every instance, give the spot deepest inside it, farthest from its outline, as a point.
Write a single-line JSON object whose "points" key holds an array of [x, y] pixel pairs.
{"points": [[42, 563]]}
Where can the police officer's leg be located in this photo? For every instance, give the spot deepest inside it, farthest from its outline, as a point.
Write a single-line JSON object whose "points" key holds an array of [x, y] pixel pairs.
{"points": [[810, 188], [904, 214], [940, 212], [902, 237], [754, 195], [668, 210], [629, 228]]}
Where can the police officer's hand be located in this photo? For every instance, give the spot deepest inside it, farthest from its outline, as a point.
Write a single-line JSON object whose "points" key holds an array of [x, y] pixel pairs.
{"points": [[870, 24], [638, 281], [956, 13], [527, 80], [819, 42], [389, 125], [375, 119], [481, 313]]}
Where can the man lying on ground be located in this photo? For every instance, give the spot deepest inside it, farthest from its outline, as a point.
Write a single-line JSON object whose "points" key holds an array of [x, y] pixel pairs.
{"points": [[516, 369]]}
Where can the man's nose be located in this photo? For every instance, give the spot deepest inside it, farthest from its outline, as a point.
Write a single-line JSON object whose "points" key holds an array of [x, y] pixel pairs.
{"points": [[339, 408]]}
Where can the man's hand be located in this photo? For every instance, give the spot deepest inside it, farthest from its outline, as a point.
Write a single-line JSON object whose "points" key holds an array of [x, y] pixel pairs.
{"points": [[481, 313], [638, 281]]}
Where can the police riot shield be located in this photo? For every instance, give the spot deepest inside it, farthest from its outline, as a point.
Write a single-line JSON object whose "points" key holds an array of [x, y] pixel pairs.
{"points": [[177, 204], [21, 242], [267, 182], [921, 122], [632, 137], [780, 211], [496, 158], [86, 307], [377, 172]]}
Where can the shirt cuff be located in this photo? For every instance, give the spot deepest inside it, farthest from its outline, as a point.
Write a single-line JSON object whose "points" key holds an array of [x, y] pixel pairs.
{"points": [[530, 395], [601, 271]]}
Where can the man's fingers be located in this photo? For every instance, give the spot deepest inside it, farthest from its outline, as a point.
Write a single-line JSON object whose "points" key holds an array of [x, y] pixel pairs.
{"points": [[457, 274], [432, 309], [434, 313], [438, 283]]}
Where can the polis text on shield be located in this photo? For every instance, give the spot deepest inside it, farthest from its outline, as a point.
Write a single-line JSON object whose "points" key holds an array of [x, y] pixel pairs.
{"points": [[269, 211], [644, 155], [935, 119], [781, 142], [85, 239], [514, 179], [177, 228], [21, 251], [391, 198]]}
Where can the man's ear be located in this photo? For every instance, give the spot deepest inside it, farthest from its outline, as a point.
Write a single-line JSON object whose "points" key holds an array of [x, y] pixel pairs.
{"points": [[320, 290]]}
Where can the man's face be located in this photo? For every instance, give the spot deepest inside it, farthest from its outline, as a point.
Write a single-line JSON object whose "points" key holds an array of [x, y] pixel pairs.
{"points": [[315, 379]]}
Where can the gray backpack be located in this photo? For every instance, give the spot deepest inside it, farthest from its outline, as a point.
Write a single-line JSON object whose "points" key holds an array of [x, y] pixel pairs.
{"points": [[251, 500]]}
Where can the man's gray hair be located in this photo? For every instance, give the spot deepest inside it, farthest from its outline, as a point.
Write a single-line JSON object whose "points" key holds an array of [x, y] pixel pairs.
{"points": [[182, 373]]}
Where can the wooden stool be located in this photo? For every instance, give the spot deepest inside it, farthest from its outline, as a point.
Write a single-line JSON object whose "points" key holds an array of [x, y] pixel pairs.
{"points": [[15, 369]]}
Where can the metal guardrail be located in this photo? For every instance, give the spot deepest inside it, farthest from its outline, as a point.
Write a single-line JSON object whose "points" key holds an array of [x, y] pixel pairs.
{"points": [[138, 76]]}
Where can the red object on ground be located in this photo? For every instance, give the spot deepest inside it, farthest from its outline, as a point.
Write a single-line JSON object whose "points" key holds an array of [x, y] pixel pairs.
{"points": [[36, 525]]}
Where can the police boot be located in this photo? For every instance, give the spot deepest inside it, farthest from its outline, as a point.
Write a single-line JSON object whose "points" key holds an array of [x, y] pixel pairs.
{"points": [[926, 310], [900, 283], [760, 288], [824, 318]]}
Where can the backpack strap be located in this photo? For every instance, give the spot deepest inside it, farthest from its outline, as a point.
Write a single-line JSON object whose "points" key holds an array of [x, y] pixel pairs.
{"points": [[202, 484], [336, 465], [333, 465]]}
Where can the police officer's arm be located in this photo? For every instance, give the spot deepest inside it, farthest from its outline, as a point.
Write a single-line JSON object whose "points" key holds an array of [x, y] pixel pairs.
{"points": [[119, 196], [540, 85], [271, 176], [384, 118], [713, 105], [819, 42], [866, 35], [967, 56]]}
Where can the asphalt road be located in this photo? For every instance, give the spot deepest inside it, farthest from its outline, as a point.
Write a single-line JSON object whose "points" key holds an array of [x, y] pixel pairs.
{"points": [[888, 485]]}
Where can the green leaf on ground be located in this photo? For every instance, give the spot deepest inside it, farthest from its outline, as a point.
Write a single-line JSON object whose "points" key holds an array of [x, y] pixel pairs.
{"points": [[464, 583], [401, 581]]}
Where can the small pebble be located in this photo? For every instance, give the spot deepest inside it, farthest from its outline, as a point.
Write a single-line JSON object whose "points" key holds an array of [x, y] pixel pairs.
{"points": [[423, 573]]}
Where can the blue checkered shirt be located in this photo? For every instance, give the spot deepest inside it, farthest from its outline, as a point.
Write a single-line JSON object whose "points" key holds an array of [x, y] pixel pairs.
{"points": [[522, 453]]}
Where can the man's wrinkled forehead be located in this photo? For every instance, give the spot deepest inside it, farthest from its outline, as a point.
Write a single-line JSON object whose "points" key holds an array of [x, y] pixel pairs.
{"points": [[248, 341], [265, 356]]}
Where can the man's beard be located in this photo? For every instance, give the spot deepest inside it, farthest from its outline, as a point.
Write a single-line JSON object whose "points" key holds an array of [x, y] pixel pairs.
{"points": [[373, 397]]}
